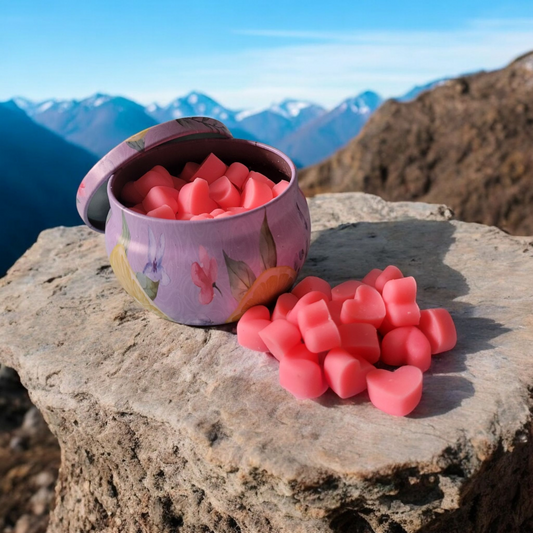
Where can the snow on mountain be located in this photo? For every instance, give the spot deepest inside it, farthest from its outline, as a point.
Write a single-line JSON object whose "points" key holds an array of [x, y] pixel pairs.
{"points": [[274, 123], [193, 104], [97, 123], [323, 136]]}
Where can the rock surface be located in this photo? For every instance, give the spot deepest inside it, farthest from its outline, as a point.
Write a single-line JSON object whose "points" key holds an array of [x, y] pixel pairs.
{"points": [[466, 143], [166, 427]]}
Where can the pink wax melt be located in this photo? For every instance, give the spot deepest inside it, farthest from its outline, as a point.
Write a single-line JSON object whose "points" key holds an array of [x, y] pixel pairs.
{"points": [[399, 296], [159, 196], [189, 170], [372, 276], [345, 373], [184, 216], [361, 340], [224, 193], [280, 337], [309, 298], [284, 304], [319, 331], [248, 334], [406, 346], [312, 283], [345, 291], [391, 272], [261, 177], [437, 325], [152, 179], [396, 393], [236, 210], [335, 309], [256, 312], [194, 198], [366, 307], [301, 377], [130, 194], [162, 212], [300, 351], [237, 174], [138, 209], [255, 193], [279, 188], [161, 170], [178, 183], [210, 170]]}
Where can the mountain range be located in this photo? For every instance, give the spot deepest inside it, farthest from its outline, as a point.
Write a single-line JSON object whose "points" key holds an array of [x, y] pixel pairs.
{"points": [[307, 132]]}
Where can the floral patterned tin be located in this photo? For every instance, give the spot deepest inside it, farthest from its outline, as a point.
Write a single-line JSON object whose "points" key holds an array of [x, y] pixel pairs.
{"points": [[201, 272]]}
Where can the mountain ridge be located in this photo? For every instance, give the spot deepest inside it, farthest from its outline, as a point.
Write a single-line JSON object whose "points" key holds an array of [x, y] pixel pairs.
{"points": [[39, 191], [466, 143]]}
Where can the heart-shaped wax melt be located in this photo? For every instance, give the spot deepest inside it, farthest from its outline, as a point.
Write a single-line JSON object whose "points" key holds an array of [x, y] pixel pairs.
{"points": [[345, 291], [437, 325], [346, 373], [391, 272], [395, 393], [312, 283], [367, 307], [284, 304], [406, 346]]}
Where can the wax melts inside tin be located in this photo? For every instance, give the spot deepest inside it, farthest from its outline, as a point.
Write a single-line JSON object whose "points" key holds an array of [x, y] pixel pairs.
{"points": [[210, 170], [152, 179]]}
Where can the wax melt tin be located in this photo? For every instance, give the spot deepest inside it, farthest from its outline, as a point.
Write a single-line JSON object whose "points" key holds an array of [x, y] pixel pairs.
{"points": [[201, 272]]}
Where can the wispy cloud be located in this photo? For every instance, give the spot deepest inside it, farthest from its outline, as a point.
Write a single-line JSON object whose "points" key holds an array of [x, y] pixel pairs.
{"points": [[327, 67]]}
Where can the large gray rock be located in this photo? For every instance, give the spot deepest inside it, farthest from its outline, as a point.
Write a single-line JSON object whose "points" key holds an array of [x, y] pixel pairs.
{"points": [[166, 427]]}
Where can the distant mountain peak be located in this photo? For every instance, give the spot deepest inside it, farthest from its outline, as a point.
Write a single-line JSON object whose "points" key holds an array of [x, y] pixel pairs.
{"points": [[22, 103], [291, 108], [96, 100]]}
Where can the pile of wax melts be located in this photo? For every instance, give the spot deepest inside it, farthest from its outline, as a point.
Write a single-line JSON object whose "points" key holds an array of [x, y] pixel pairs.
{"points": [[202, 191], [327, 337]]}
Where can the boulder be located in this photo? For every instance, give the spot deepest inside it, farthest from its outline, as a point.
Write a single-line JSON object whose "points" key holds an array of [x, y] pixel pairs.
{"points": [[165, 427]]}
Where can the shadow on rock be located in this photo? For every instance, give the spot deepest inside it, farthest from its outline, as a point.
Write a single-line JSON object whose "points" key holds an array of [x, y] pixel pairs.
{"points": [[418, 248]]}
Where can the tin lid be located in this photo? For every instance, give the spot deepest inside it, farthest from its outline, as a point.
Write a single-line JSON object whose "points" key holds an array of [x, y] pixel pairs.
{"points": [[91, 199]]}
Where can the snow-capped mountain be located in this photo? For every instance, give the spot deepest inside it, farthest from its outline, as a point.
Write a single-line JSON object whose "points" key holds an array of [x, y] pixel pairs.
{"points": [[193, 104], [323, 136], [304, 130], [274, 123], [97, 123]]}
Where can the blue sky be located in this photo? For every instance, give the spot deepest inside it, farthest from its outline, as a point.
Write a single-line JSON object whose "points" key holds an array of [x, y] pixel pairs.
{"points": [[250, 54]]}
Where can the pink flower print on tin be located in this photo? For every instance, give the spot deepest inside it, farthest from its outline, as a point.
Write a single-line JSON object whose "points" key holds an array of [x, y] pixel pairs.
{"points": [[204, 275]]}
